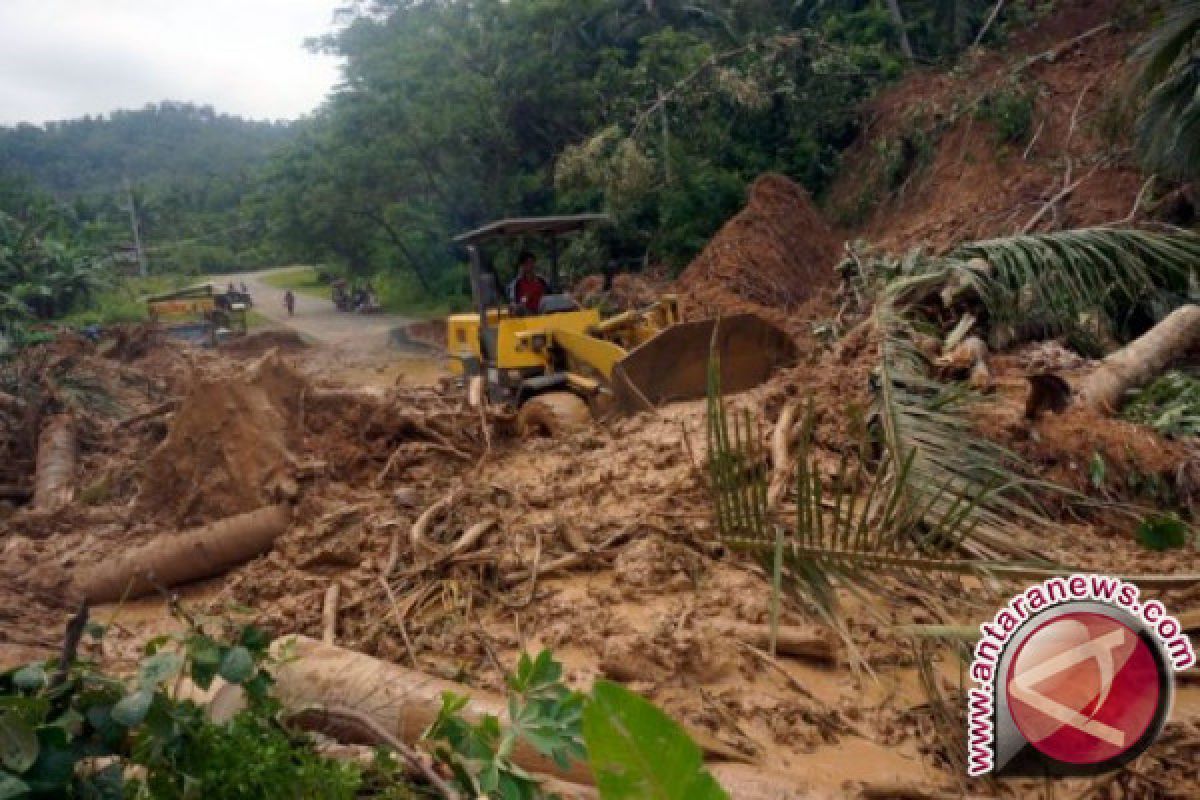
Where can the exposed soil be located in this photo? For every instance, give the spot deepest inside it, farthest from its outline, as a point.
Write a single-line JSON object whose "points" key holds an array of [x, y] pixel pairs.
{"points": [[933, 156], [771, 256], [601, 544]]}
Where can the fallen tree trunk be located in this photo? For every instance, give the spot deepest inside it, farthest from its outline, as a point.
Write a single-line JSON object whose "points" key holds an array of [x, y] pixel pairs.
{"points": [[54, 483], [175, 558], [1142, 360], [405, 701]]}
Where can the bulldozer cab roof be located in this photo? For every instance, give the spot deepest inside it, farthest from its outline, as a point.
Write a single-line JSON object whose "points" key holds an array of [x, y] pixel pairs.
{"points": [[525, 226]]}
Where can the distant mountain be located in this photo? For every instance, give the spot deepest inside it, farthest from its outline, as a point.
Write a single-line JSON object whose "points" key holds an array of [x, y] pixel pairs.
{"points": [[163, 143]]}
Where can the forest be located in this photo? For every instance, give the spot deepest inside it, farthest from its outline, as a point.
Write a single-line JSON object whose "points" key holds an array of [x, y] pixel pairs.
{"points": [[454, 112]]}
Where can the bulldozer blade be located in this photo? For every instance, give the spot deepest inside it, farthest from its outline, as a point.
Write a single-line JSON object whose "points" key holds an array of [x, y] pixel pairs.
{"points": [[673, 365]]}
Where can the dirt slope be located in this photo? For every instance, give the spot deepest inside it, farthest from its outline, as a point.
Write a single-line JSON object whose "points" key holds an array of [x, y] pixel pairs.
{"points": [[933, 148]]}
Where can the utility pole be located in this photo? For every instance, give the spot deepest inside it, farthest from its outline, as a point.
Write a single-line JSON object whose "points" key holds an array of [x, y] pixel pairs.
{"points": [[133, 223]]}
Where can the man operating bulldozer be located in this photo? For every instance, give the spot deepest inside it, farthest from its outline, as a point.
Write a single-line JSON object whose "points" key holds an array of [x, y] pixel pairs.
{"points": [[528, 288]]}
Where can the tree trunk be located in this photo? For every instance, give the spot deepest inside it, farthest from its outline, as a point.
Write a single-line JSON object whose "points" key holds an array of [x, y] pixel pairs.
{"points": [[405, 701], [1142, 360], [174, 558], [54, 484], [901, 29]]}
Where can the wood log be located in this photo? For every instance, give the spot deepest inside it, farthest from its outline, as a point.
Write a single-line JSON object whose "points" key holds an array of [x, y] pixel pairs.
{"points": [[1142, 360], [174, 558], [54, 483], [790, 640], [405, 701]]}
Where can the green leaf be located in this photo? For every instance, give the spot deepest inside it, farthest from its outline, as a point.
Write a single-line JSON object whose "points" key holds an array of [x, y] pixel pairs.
{"points": [[1097, 471], [639, 753], [18, 743], [238, 665], [11, 786], [1162, 532], [132, 709], [30, 678], [55, 765], [107, 784], [255, 639], [159, 668]]}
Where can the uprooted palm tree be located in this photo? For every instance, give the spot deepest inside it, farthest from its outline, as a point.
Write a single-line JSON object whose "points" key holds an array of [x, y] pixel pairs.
{"points": [[939, 497]]}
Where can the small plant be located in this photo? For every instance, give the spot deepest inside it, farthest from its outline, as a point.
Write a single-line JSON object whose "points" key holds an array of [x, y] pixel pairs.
{"points": [[1162, 532], [636, 752], [639, 753], [58, 721], [542, 712], [1010, 113], [1170, 405]]}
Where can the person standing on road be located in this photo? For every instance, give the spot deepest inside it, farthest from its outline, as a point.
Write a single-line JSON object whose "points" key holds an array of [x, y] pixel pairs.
{"points": [[289, 302]]}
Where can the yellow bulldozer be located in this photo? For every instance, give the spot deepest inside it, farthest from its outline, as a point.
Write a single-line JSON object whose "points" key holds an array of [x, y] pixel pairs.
{"points": [[560, 364]]}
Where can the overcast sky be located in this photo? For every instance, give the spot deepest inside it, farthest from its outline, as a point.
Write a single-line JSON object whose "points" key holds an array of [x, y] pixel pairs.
{"points": [[66, 58]]}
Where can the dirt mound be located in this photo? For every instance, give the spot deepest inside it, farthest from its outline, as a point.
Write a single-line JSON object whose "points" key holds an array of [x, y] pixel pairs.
{"points": [[627, 291], [775, 253], [226, 449]]}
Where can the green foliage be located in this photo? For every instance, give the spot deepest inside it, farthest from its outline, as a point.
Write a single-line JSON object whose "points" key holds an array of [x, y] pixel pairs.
{"points": [[1169, 127], [634, 749], [1049, 283], [44, 269], [639, 753], [542, 712], [49, 727], [1162, 532], [1009, 110], [1170, 405], [193, 174]]}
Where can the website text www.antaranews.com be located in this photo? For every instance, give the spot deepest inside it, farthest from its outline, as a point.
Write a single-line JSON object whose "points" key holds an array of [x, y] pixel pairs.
{"points": [[996, 634]]}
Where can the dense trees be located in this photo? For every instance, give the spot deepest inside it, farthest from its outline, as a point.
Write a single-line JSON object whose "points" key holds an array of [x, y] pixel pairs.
{"points": [[45, 265], [190, 172], [452, 112], [456, 111]]}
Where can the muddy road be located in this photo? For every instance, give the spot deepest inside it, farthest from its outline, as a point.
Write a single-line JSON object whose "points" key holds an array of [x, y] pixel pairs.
{"points": [[316, 317]]}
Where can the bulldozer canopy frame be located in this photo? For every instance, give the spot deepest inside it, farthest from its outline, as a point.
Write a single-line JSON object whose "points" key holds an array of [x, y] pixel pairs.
{"points": [[531, 226]]}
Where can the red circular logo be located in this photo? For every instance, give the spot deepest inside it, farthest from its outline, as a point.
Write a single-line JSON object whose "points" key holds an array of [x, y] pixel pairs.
{"points": [[1083, 688]]}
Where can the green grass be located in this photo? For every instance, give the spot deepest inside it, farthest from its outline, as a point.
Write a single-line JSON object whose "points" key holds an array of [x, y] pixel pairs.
{"points": [[302, 279], [255, 320]]}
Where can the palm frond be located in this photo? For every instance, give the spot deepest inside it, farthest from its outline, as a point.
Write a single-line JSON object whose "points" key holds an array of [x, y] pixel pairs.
{"points": [[926, 425], [861, 522], [1169, 127], [1172, 40], [1050, 280]]}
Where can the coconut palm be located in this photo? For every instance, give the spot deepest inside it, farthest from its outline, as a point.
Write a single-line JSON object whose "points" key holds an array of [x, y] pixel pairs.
{"points": [[1169, 128]]}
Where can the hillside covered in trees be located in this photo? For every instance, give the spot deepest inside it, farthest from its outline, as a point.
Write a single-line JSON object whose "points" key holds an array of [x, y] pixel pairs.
{"points": [[455, 112], [188, 170]]}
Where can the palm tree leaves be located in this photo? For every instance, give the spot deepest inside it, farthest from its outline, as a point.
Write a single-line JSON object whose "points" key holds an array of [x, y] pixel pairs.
{"points": [[1169, 128], [1051, 280]]}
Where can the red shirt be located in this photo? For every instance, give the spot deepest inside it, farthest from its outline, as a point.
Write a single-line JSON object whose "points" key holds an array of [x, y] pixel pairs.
{"points": [[529, 291]]}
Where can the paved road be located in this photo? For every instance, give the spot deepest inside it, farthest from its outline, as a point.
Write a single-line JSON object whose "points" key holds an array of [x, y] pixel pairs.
{"points": [[316, 317]]}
